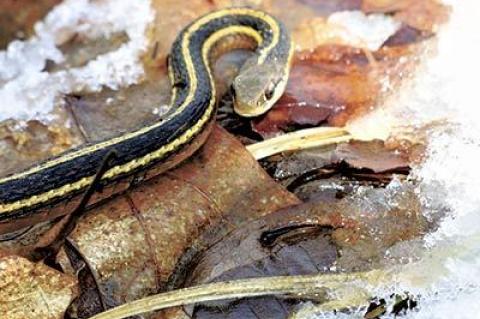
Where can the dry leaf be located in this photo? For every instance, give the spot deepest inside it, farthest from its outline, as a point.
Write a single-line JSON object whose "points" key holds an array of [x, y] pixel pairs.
{"points": [[18, 17], [407, 35], [373, 155], [325, 7], [342, 235], [297, 243], [30, 290], [300, 244], [338, 170], [425, 15], [385, 6], [335, 83], [133, 243], [387, 219], [36, 141]]}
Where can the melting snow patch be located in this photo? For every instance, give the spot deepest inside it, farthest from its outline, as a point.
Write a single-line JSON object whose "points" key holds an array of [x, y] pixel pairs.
{"points": [[27, 92], [447, 277]]}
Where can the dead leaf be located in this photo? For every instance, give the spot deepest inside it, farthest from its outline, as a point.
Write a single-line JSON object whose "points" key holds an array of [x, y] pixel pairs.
{"points": [[18, 17], [335, 83], [97, 115], [426, 15], [288, 118], [335, 171], [373, 155], [171, 17], [326, 7], [355, 233], [407, 35], [133, 243], [389, 219], [340, 180], [385, 6], [30, 290], [293, 241], [19, 149]]}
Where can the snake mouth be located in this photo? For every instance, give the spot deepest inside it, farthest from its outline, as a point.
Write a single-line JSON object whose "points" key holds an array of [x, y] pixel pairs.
{"points": [[248, 111]]}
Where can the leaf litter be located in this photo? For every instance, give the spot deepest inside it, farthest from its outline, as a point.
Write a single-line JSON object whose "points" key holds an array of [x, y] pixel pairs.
{"points": [[105, 269], [134, 243]]}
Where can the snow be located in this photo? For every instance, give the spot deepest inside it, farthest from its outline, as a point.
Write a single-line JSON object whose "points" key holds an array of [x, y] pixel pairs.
{"points": [[27, 92], [446, 279]]}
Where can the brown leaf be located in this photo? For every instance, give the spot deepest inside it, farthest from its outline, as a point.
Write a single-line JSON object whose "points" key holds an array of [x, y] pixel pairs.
{"points": [[171, 17], [385, 6], [356, 233], [286, 118], [335, 83], [293, 241], [36, 141], [18, 17], [326, 7], [407, 35], [340, 179], [133, 243], [425, 15], [30, 290], [99, 114], [386, 218], [373, 155], [339, 169]]}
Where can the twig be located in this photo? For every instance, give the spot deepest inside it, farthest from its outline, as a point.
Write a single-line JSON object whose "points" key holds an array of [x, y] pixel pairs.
{"points": [[347, 289], [299, 140]]}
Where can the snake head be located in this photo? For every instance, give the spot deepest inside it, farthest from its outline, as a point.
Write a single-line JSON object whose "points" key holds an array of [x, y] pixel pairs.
{"points": [[258, 87]]}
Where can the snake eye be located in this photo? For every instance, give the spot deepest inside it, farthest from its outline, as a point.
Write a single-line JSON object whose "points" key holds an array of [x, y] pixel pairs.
{"points": [[270, 90], [269, 94]]}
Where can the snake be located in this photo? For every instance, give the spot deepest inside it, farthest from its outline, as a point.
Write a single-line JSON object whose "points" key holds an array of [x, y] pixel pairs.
{"points": [[53, 187]]}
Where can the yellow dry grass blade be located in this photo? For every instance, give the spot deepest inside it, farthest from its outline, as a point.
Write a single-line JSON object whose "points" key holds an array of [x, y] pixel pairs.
{"points": [[348, 290], [299, 140]]}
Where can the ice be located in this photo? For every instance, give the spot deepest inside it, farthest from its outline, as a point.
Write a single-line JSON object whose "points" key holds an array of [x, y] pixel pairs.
{"points": [[446, 278], [27, 92]]}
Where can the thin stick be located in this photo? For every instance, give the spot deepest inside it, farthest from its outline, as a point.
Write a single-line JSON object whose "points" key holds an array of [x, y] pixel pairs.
{"points": [[299, 140], [302, 286]]}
